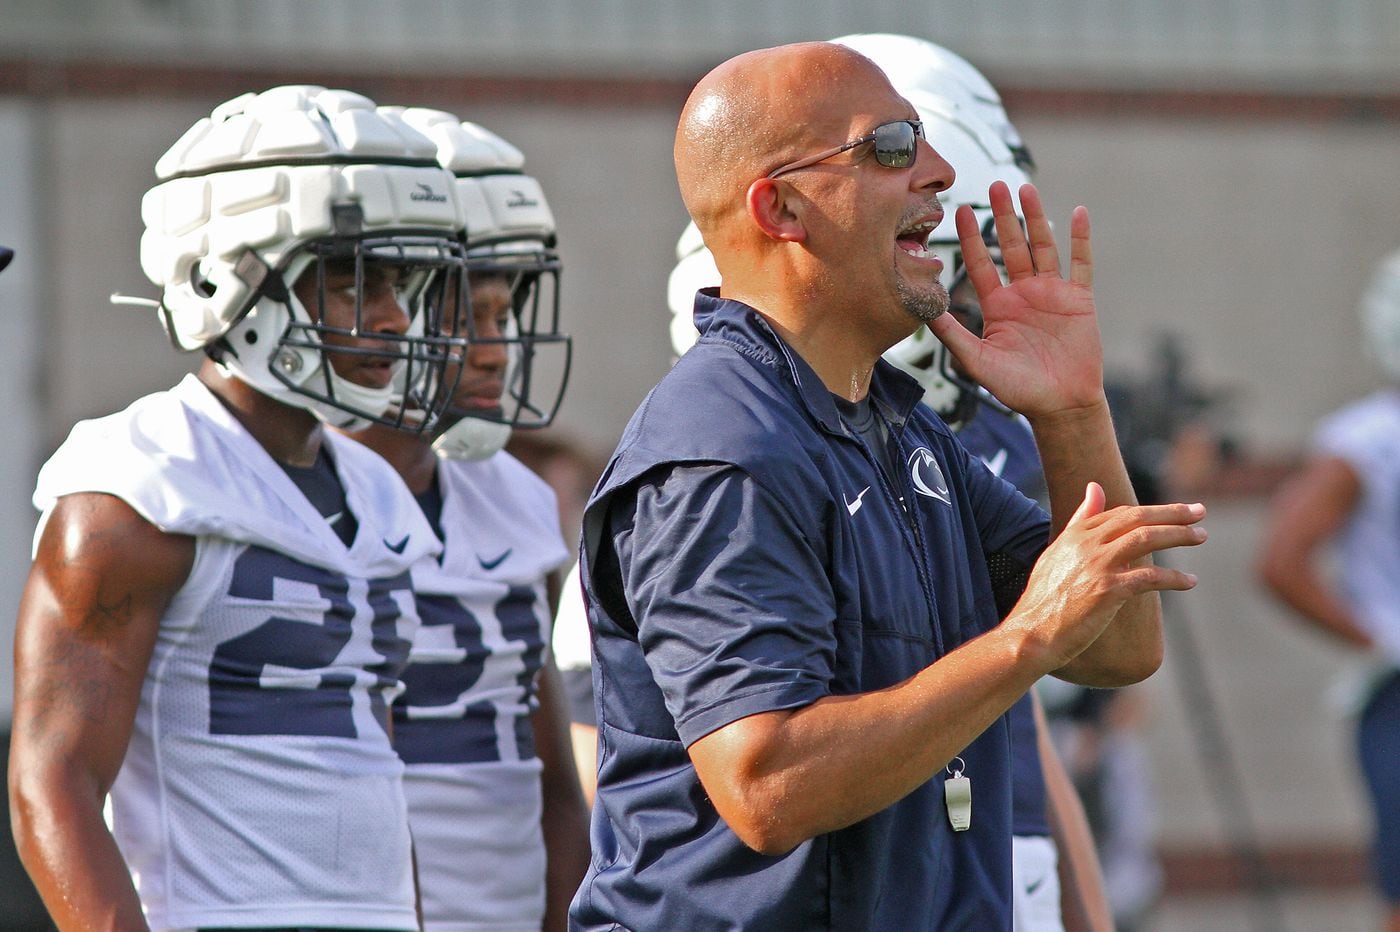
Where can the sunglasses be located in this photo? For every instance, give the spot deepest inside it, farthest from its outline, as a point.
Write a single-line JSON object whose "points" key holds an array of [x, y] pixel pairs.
{"points": [[896, 145]]}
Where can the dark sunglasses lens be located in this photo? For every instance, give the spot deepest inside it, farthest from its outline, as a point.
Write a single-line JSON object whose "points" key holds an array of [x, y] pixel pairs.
{"points": [[895, 144]]}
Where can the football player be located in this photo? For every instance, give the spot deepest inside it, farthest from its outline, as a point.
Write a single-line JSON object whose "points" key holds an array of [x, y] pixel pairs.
{"points": [[499, 823], [1330, 555], [219, 605]]}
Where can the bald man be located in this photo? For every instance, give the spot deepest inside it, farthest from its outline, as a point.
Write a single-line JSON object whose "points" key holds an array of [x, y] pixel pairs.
{"points": [[794, 570]]}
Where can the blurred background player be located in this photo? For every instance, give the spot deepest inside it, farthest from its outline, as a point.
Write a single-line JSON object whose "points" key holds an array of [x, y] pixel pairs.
{"points": [[965, 122], [1346, 499], [493, 795], [220, 602]]}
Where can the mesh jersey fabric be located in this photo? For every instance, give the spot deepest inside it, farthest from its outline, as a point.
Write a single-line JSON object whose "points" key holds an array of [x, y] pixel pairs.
{"points": [[259, 787], [463, 724]]}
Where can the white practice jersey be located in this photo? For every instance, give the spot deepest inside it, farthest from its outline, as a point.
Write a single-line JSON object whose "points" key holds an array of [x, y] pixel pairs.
{"points": [[259, 787], [572, 649], [1367, 435], [463, 724]]}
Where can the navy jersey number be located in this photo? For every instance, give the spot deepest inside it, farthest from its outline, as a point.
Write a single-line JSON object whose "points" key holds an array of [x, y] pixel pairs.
{"points": [[470, 737], [240, 703]]}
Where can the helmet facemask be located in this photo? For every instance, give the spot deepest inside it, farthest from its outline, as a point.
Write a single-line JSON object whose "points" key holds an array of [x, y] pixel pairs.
{"points": [[537, 355], [339, 348], [981, 159], [510, 235], [297, 181]]}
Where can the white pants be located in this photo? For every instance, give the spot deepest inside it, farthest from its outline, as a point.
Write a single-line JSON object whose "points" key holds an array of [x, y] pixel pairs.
{"points": [[1035, 885]]}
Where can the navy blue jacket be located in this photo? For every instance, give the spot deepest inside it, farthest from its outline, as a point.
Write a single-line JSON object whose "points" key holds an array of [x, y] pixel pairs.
{"points": [[744, 553], [1006, 445]]}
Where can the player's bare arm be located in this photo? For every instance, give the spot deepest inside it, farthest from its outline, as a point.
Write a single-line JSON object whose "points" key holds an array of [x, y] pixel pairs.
{"points": [[1309, 511], [1083, 900], [1040, 353], [102, 577], [565, 817]]}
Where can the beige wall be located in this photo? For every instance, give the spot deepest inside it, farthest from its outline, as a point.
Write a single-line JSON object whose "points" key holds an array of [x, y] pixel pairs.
{"points": [[1253, 240]]}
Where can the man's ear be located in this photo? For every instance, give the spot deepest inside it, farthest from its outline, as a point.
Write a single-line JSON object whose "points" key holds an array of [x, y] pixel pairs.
{"points": [[775, 208]]}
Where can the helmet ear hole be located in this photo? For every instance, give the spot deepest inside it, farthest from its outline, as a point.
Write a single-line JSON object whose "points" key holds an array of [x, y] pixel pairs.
{"points": [[201, 285]]}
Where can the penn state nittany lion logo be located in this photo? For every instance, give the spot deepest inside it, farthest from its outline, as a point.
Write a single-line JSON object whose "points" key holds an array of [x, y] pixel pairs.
{"points": [[927, 477]]}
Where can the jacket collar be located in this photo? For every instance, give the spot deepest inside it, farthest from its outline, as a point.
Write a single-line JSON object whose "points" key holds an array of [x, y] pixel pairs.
{"points": [[894, 393]]}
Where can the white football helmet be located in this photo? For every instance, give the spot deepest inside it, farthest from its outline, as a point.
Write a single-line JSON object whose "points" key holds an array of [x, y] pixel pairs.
{"points": [[274, 185], [695, 269], [1380, 315], [509, 231], [916, 66]]}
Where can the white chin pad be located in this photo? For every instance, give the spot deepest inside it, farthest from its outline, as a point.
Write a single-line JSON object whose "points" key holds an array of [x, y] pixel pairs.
{"points": [[471, 439]]}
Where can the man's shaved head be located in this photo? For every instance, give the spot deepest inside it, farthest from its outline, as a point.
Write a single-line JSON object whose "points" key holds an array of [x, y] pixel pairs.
{"points": [[758, 110]]}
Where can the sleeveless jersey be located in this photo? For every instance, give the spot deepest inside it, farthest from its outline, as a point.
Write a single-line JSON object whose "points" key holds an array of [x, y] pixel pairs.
{"points": [[463, 723], [259, 787], [1367, 435]]}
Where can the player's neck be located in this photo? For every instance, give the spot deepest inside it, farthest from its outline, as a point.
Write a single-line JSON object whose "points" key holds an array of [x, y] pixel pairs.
{"points": [[411, 456], [290, 435]]}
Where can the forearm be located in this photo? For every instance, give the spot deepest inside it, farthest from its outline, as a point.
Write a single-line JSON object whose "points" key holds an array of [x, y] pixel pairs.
{"points": [[1083, 902], [566, 851], [585, 742], [781, 778], [1298, 585], [1306, 515], [1076, 448], [69, 853], [564, 821]]}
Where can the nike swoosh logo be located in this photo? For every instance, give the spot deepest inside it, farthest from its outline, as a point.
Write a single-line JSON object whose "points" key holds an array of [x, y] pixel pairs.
{"points": [[997, 463], [399, 547], [853, 506], [1038, 882], [333, 519], [492, 564]]}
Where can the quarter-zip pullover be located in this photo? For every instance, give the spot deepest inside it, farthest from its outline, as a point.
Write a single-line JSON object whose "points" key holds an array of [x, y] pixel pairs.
{"points": [[744, 552]]}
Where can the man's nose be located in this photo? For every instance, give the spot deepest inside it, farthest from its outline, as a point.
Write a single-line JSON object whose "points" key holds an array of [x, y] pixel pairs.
{"points": [[931, 169], [487, 353], [382, 312]]}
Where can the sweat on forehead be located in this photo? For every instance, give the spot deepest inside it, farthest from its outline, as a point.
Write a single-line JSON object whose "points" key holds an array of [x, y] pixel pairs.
{"points": [[750, 112]]}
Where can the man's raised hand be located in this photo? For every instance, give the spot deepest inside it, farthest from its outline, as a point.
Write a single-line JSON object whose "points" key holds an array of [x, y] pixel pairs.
{"points": [[1039, 351]]}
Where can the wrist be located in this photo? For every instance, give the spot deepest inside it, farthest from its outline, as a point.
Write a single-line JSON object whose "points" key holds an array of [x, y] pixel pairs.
{"points": [[1023, 648], [1077, 417]]}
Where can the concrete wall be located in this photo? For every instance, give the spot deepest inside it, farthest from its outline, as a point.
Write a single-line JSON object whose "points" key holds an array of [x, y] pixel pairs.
{"points": [[1252, 240], [21, 311]]}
